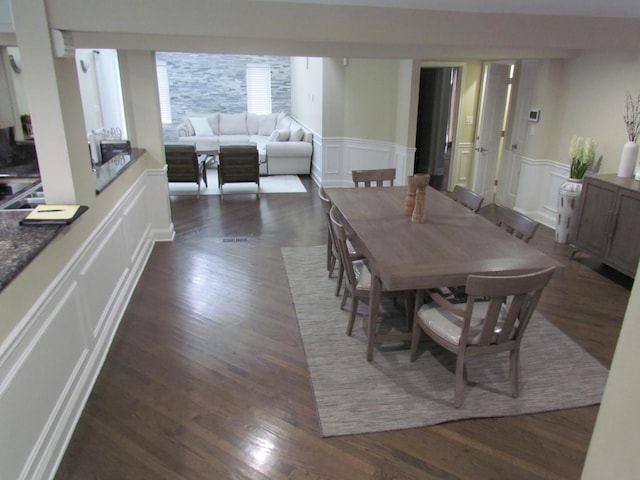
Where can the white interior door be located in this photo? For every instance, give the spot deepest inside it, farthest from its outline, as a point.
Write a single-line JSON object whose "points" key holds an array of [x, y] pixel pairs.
{"points": [[509, 176], [493, 104]]}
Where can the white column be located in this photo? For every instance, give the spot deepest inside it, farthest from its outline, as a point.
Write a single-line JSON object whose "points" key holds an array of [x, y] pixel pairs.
{"points": [[53, 95]]}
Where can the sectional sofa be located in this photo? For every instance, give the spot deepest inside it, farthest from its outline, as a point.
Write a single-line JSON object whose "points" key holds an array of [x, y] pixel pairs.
{"points": [[284, 146]]}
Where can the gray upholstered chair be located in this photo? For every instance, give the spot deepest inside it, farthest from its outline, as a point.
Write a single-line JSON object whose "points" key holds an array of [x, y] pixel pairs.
{"points": [[183, 164], [481, 328], [377, 177], [238, 164]]}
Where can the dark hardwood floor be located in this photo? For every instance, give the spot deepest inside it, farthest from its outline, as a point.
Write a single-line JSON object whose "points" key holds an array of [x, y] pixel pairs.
{"points": [[207, 376]]}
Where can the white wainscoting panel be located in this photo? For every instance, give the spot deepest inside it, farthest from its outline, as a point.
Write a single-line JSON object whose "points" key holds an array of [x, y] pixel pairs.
{"points": [[363, 154], [49, 364], [462, 165], [341, 155], [538, 189], [39, 376]]}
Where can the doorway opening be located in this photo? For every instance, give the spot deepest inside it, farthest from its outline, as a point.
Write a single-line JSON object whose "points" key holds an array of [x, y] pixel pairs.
{"points": [[438, 100]]}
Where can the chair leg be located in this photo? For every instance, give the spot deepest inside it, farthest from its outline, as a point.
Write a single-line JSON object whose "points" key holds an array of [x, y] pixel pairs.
{"points": [[344, 298], [514, 366], [330, 258], [352, 314], [331, 265], [457, 399], [340, 278], [415, 340]]}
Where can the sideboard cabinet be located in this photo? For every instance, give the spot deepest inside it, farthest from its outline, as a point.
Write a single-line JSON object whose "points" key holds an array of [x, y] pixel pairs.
{"points": [[608, 221]]}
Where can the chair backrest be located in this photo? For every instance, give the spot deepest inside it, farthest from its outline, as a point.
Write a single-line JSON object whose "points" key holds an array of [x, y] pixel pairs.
{"points": [[238, 163], [340, 238], [511, 302], [326, 208], [326, 202], [238, 155], [182, 163], [471, 200], [376, 176], [516, 223]]}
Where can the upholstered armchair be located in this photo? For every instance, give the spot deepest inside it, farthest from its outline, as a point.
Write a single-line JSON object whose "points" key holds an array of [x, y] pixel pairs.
{"points": [[183, 164]]}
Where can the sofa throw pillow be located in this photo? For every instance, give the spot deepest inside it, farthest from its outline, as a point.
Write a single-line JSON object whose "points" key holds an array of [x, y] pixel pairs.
{"points": [[273, 137], [190, 132], [233, 124], [296, 134], [266, 124], [283, 135], [201, 126]]}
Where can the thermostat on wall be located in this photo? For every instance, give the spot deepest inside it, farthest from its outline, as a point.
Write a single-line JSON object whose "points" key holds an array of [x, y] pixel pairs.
{"points": [[534, 115]]}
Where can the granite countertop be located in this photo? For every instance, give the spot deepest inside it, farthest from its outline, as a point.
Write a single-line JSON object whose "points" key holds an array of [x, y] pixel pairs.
{"points": [[20, 244], [112, 168]]}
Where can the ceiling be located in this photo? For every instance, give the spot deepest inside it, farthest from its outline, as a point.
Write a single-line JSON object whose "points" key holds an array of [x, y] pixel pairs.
{"points": [[589, 8]]}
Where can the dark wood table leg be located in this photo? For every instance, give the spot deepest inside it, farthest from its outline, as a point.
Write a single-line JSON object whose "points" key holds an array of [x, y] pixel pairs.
{"points": [[374, 305]]}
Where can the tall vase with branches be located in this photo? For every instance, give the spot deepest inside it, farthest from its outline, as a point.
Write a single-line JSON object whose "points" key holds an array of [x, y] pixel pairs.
{"points": [[629, 156]]}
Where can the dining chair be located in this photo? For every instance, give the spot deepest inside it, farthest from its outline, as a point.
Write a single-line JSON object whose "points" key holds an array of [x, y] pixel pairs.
{"points": [[333, 256], [375, 176], [471, 200], [481, 328], [183, 164], [357, 277], [515, 223]]}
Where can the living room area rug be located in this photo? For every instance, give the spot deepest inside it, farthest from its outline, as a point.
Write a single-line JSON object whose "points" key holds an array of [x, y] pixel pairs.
{"points": [[268, 184], [391, 393]]}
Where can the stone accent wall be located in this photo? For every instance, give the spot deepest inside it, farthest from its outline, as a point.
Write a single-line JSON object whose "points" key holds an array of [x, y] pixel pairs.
{"points": [[202, 82]]}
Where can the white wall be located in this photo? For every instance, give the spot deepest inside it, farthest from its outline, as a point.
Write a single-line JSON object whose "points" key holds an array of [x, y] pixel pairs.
{"points": [[613, 452], [89, 89], [370, 102], [584, 96], [306, 91]]}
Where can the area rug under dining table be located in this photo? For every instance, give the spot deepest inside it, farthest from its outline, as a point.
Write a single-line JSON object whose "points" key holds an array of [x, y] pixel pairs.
{"points": [[390, 393]]}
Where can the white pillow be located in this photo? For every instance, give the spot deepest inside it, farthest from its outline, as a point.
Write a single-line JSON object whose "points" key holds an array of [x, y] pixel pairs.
{"points": [[233, 124], [266, 124], [296, 135], [283, 123], [273, 137], [201, 126], [282, 135]]}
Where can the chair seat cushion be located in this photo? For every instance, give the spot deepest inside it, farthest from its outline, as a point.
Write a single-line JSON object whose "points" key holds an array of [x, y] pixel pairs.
{"points": [[449, 326], [363, 275]]}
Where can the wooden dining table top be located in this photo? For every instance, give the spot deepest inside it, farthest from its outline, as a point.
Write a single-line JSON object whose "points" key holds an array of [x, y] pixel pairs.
{"points": [[453, 242]]}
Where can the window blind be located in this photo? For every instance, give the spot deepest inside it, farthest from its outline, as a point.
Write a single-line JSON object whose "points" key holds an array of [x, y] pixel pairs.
{"points": [[163, 91], [258, 88]]}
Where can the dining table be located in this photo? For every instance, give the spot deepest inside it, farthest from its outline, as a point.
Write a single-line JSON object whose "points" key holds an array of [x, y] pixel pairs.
{"points": [[451, 244]]}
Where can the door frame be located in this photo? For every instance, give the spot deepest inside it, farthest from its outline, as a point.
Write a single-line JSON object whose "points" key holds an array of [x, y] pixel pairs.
{"points": [[462, 70]]}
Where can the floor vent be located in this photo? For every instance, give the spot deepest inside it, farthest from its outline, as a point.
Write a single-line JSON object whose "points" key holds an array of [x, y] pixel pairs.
{"points": [[234, 239]]}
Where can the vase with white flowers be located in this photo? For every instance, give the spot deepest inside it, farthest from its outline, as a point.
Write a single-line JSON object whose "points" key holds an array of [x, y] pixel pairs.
{"points": [[629, 156], [582, 152]]}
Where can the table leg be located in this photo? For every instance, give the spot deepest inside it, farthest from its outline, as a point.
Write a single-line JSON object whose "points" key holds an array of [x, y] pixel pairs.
{"points": [[204, 173], [374, 304]]}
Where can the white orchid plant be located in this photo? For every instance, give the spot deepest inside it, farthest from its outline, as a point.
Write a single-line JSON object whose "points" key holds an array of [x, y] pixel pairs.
{"points": [[632, 117], [582, 152]]}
